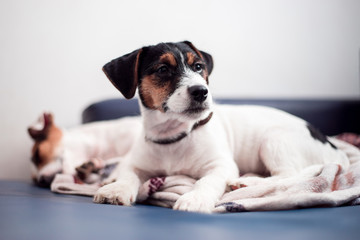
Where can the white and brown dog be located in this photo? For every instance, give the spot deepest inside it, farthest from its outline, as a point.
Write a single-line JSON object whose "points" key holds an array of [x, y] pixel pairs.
{"points": [[184, 133], [68, 151]]}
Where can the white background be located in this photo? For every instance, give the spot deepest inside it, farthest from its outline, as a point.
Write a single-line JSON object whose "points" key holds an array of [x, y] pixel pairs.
{"points": [[52, 52]]}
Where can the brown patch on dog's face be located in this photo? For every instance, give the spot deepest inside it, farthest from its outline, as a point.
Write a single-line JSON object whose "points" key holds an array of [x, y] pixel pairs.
{"points": [[190, 58], [159, 81], [153, 93], [168, 58]]}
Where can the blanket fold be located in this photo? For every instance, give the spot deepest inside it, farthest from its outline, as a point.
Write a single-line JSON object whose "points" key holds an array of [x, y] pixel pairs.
{"points": [[326, 185]]}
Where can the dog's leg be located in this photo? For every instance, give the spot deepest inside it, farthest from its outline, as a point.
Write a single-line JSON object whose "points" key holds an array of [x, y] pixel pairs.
{"points": [[206, 192], [287, 153], [254, 187], [121, 192], [204, 195]]}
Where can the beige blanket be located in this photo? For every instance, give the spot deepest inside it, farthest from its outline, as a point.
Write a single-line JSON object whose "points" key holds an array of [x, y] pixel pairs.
{"points": [[321, 185]]}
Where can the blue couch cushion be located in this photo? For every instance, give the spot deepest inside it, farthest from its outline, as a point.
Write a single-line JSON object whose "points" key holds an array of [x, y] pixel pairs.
{"points": [[330, 116]]}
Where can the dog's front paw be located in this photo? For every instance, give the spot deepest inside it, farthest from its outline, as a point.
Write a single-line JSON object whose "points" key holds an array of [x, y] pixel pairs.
{"points": [[116, 193], [194, 202]]}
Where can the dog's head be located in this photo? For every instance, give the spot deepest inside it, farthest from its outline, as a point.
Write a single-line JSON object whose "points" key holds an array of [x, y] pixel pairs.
{"points": [[46, 151], [170, 77]]}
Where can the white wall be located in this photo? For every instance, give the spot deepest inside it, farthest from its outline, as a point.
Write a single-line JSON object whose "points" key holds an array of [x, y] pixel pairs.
{"points": [[51, 53]]}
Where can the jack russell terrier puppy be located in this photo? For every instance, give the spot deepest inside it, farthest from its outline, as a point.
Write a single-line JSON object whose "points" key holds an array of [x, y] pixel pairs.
{"points": [[57, 150], [185, 133]]}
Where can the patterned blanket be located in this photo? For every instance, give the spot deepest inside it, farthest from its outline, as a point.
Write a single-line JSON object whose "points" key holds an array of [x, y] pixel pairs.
{"points": [[322, 185]]}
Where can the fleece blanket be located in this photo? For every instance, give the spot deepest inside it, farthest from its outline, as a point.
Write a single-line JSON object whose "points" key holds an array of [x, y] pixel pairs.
{"points": [[326, 185]]}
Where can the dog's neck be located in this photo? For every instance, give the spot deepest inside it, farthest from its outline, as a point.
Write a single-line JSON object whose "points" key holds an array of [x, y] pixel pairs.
{"points": [[162, 129]]}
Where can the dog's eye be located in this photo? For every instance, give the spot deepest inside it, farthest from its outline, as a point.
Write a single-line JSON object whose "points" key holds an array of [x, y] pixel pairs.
{"points": [[198, 67], [162, 69]]}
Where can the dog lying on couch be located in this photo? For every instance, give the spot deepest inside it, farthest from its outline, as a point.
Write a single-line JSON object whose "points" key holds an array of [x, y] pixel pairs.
{"points": [[184, 133], [80, 150]]}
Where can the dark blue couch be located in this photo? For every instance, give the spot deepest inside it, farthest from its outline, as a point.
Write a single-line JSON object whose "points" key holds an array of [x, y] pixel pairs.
{"points": [[28, 212]]}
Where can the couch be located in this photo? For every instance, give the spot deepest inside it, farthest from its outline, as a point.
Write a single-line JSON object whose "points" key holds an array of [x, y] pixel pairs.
{"points": [[29, 212]]}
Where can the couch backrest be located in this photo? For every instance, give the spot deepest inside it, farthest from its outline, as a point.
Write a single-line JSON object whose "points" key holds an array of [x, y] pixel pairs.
{"points": [[330, 116]]}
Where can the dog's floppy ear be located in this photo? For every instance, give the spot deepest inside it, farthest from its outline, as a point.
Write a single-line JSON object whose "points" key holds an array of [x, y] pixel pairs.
{"points": [[123, 73], [205, 56]]}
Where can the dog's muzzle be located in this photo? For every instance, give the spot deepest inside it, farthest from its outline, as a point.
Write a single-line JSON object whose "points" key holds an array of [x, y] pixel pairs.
{"points": [[44, 181], [198, 95]]}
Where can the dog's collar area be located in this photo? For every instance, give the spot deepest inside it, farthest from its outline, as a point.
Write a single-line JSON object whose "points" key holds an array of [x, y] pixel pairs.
{"points": [[181, 135], [169, 140], [202, 122]]}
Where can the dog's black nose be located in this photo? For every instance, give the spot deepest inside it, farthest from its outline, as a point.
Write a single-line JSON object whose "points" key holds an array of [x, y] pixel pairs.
{"points": [[198, 92], [45, 181]]}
